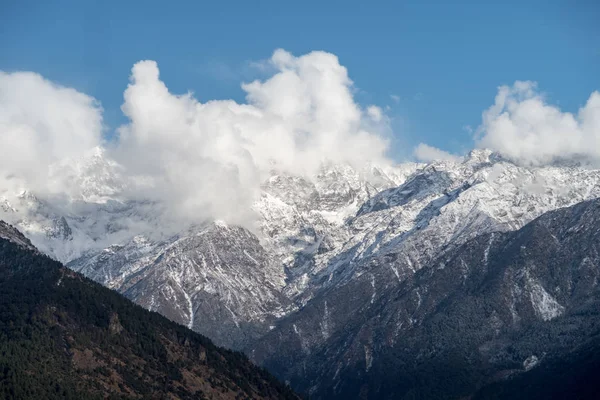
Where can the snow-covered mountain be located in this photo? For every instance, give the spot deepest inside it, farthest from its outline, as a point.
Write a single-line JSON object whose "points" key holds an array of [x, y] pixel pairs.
{"points": [[194, 272], [497, 307], [369, 228]]}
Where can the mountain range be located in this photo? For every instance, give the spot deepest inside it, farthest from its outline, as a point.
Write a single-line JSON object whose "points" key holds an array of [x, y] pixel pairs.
{"points": [[379, 281]]}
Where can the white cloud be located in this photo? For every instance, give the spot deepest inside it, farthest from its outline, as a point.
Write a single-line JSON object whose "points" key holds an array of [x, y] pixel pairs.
{"points": [[426, 153], [522, 126], [309, 115], [208, 160], [201, 160], [375, 113], [40, 124], [395, 98]]}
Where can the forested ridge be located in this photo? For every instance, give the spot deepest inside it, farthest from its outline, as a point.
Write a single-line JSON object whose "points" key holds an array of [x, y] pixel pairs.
{"points": [[63, 336]]}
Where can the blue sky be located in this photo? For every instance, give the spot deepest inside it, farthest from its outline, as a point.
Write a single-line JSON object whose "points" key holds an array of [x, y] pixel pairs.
{"points": [[444, 61]]}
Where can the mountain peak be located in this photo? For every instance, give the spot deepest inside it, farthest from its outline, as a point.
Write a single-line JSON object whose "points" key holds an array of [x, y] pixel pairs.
{"points": [[480, 156]]}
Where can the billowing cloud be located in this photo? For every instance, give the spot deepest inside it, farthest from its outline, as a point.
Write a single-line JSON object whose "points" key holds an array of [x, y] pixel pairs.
{"points": [[375, 113], [209, 159], [522, 126], [42, 123], [201, 160], [206, 161], [425, 153]]}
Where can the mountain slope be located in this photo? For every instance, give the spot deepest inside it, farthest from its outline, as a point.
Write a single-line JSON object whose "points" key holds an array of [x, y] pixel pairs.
{"points": [[326, 252], [217, 280], [312, 233], [12, 234], [497, 306], [64, 336]]}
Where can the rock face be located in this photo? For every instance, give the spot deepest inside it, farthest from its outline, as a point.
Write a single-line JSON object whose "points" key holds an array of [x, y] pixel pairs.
{"points": [[218, 280], [327, 252], [497, 305]]}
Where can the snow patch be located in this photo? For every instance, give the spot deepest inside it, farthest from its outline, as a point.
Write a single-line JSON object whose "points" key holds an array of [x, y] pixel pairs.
{"points": [[545, 306], [368, 357], [374, 289], [530, 363]]}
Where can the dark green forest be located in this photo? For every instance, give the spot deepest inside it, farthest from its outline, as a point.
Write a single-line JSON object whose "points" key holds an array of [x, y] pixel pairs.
{"points": [[63, 336]]}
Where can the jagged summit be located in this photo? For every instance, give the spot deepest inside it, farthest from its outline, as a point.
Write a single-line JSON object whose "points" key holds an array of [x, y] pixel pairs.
{"points": [[482, 156], [93, 177]]}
